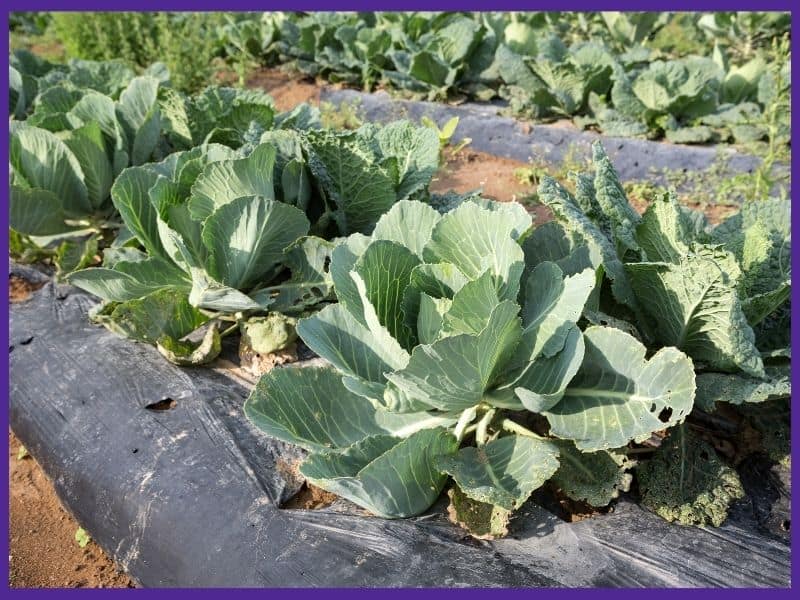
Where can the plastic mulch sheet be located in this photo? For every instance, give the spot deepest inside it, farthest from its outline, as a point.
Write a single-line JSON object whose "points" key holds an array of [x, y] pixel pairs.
{"points": [[161, 467]]}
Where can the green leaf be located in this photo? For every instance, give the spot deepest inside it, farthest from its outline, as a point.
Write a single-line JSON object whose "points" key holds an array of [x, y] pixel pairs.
{"points": [[385, 267], [602, 250], [310, 283], [613, 201], [88, 147], [246, 239], [162, 313], [130, 280], [685, 481], [138, 111], [46, 163], [665, 232], [309, 407], [505, 471], [408, 223], [618, 396], [471, 307], [389, 477], [592, 477], [345, 167], [759, 307], [72, 255], [741, 83], [224, 181], [453, 373], [343, 260], [416, 150], [212, 295], [335, 335], [542, 383], [550, 243], [37, 212], [438, 280], [430, 317], [739, 389], [130, 196], [187, 354], [475, 239], [695, 307], [553, 305]]}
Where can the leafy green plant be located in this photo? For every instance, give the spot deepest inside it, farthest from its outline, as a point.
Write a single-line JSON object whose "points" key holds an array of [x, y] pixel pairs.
{"points": [[610, 70], [441, 353], [89, 121], [721, 295], [185, 42], [82, 538], [467, 360], [446, 134], [223, 233]]}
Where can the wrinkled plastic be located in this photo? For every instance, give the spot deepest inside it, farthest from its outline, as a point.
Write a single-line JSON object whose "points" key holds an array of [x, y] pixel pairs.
{"points": [[160, 466]]}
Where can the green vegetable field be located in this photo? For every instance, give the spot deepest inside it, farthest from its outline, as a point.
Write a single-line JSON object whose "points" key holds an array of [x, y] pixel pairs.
{"points": [[425, 349]]}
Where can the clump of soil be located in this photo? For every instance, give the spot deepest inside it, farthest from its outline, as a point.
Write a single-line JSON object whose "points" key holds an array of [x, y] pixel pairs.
{"points": [[42, 546], [255, 364], [286, 91], [20, 289], [310, 497]]}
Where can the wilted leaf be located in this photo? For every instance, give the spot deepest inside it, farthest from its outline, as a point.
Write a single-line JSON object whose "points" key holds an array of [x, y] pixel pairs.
{"points": [[685, 481]]}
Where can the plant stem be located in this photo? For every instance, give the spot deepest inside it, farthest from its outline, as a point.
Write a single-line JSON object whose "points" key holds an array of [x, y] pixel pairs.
{"points": [[465, 419], [514, 427], [483, 424], [229, 330]]}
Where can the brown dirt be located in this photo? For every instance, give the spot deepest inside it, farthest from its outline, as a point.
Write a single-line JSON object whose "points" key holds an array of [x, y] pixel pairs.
{"points": [[311, 497], [287, 91], [714, 213], [20, 289], [469, 169], [42, 546]]}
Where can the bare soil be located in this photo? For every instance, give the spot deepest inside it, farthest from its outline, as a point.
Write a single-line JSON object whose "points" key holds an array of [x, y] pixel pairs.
{"points": [[286, 90], [468, 170], [311, 497], [19, 289], [42, 547]]}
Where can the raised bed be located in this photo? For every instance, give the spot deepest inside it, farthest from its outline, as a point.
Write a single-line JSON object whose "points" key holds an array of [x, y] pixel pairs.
{"points": [[634, 159], [160, 465]]}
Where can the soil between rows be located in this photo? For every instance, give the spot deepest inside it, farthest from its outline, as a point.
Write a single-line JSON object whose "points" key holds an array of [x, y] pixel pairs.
{"points": [[43, 550]]}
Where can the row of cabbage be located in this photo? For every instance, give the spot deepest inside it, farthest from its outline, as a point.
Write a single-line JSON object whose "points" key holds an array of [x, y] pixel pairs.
{"points": [[459, 339], [601, 69]]}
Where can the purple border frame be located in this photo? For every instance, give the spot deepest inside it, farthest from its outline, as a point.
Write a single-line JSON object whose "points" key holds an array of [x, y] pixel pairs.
{"points": [[444, 5]]}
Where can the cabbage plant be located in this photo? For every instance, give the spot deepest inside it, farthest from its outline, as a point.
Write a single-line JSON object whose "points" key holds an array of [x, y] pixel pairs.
{"points": [[218, 232], [66, 154], [454, 352]]}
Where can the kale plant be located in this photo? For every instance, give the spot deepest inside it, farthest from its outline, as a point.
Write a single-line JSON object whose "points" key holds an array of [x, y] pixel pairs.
{"points": [[719, 294]]}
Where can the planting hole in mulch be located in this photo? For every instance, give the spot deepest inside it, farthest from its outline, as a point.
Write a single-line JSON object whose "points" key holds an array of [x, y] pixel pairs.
{"points": [[310, 497], [20, 289], [163, 404]]}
